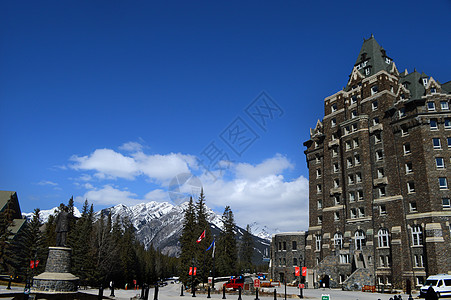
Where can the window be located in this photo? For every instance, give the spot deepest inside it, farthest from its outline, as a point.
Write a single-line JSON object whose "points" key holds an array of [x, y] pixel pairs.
{"points": [[418, 260], [425, 81], [406, 148], [388, 260], [374, 89], [417, 236], [334, 152], [410, 187], [353, 114], [431, 106], [317, 159], [346, 130], [443, 104], [379, 155], [360, 240], [443, 183], [318, 173], [361, 212], [356, 142], [338, 240], [294, 245], [348, 145], [439, 163], [320, 204], [358, 177], [333, 122], [412, 206], [354, 127], [433, 90], [353, 99], [404, 131], [336, 167], [318, 188], [320, 220], [367, 71], [383, 237], [409, 168], [351, 196], [446, 203], [280, 246], [349, 162], [333, 107], [357, 159], [382, 209], [285, 246], [336, 183], [350, 179], [433, 124], [333, 137], [381, 261], [377, 138], [374, 105], [380, 173], [449, 142], [359, 195], [295, 261], [344, 258], [353, 213], [336, 216], [318, 241], [387, 60], [402, 112], [381, 191], [375, 121], [337, 200], [447, 123]]}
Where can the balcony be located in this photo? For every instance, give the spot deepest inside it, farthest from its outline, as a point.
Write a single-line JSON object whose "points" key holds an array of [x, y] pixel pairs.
{"points": [[337, 190], [377, 127]]}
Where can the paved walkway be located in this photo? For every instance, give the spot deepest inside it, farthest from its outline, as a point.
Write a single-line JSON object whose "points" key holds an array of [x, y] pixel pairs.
{"points": [[172, 292]]}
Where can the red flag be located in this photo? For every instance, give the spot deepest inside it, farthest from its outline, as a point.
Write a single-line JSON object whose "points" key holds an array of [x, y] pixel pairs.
{"points": [[32, 264], [190, 271], [202, 236], [297, 271], [195, 271]]}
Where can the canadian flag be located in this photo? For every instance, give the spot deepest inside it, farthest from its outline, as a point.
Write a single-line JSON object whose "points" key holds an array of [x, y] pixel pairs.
{"points": [[202, 236]]}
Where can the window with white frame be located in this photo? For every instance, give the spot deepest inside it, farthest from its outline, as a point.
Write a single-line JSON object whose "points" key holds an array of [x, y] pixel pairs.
{"points": [[379, 155], [318, 173], [344, 258], [446, 202], [360, 195], [374, 89], [433, 90], [377, 138], [425, 81], [350, 179], [361, 212], [387, 60], [375, 121], [334, 152], [402, 112], [320, 220], [353, 213], [333, 107], [443, 183], [358, 177], [336, 167], [410, 187], [439, 162], [380, 173], [337, 199], [433, 124], [417, 235], [333, 137], [367, 71], [382, 209], [354, 127], [318, 241], [449, 142], [348, 145], [406, 148], [351, 196], [374, 105], [403, 96], [356, 142], [381, 191], [418, 260], [318, 188], [349, 162], [336, 216], [444, 105], [381, 261], [320, 204], [412, 206], [404, 131], [360, 240], [431, 106], [317, 159], [333, 122], [336, 182], [353, 114], [354, 99], [387, 260], [447, 123], [338, 240], [357, 159], [346, 130], [409, 168]]}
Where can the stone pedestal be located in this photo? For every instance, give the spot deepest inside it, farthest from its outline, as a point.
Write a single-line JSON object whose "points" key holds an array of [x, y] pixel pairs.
{"points": [[57, 277]]}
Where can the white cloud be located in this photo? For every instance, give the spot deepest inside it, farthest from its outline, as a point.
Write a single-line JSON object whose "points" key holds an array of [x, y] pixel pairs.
{"points": [[131, 147], [158, 195], [47, 182], [109, 196], [274, 165]]}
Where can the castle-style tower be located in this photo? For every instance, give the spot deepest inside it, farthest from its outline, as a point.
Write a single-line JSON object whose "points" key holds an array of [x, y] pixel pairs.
{"points": [[379, 171]]}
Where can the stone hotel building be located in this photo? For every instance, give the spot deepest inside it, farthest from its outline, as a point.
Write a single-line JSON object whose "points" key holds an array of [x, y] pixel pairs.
{"points": [[379, 172]]}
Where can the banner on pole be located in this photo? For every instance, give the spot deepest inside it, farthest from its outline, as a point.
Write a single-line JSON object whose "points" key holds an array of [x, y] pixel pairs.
{"points": [[190, 271], [195, 269], [297, 271], [304, 271]]}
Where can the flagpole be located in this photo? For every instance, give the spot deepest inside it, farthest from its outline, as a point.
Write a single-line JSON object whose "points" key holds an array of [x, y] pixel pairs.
{"points": [[213, 281]]}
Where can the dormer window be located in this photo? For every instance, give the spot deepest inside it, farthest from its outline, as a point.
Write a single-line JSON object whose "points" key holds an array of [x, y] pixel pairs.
{"points": [[403, 96], [425, 81], [387, 60], [433, 90], [431, 106], [367, 71], [374, 89], [402, 112], [444, 105]]}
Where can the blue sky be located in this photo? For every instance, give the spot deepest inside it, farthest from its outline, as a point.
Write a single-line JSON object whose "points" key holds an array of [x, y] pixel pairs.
{"points": [[110, 100]]}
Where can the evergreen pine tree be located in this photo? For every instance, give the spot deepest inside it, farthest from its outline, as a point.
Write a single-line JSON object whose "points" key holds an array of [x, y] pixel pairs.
{"points": [[6, 219], [246, 250], [203, 258], [227, 249], [188, 241]]}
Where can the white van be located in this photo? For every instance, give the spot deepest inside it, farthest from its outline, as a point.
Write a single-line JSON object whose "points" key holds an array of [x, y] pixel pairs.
{"points": [[441, 284]]}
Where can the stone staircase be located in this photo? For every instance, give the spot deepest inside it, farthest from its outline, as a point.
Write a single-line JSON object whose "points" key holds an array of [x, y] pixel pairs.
{"points": [[359, 278], [328, 266]]}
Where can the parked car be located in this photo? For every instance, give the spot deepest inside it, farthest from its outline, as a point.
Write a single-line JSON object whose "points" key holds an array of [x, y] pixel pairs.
{"points": [[235, 283], [441, 284]]}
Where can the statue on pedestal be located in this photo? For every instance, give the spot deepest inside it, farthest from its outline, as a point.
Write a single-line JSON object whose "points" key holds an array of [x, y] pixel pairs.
{"points": [[62, 226]]}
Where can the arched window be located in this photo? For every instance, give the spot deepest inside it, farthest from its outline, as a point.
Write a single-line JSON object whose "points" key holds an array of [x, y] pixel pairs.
{"points": [[417, 235], [360, 240], [338, 240], [383, 237]]}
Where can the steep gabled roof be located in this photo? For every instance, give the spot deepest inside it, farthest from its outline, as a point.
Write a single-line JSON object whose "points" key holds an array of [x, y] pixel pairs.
{"points": [[5, 196], [415, 85]]}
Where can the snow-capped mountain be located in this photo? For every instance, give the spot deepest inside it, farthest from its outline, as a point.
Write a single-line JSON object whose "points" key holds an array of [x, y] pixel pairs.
{"points": [[45, 214], [160, 224]]}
